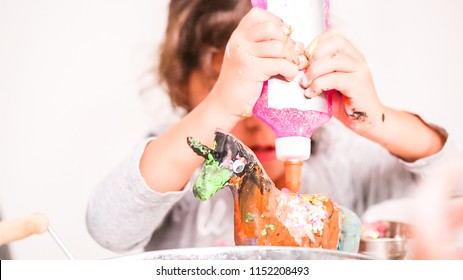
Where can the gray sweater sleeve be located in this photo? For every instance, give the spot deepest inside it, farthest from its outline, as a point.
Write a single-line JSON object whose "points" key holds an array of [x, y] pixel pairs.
{"points": [[428, 164], [123, 211]]}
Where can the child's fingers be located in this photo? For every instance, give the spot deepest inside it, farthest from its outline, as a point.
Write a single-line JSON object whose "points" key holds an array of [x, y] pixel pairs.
{"points": [[340, 81], [264, 59], [331, 42], [277, 49], [278, 67], [256, 16], [268, 30], [330, 63]]}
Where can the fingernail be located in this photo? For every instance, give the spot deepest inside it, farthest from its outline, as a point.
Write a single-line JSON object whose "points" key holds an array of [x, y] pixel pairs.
{"points": [[298, 48], [287, 29], [303, 62], [303, 82], [308, 93]]}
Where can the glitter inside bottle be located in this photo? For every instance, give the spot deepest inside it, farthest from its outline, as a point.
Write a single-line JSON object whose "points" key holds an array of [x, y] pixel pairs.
{"points": [[282, 104]]}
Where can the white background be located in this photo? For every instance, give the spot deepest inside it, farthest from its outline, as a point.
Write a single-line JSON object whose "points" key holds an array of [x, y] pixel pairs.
{"points": [[70, 107]]}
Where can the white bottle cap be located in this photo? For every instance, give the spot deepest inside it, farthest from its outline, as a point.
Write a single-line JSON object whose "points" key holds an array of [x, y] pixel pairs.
{"points": [[292, 148]]}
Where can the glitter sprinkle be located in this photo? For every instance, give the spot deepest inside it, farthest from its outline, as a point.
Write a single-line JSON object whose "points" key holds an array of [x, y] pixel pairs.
{"points": [[250, 217], [303, 215], [270, 226]]}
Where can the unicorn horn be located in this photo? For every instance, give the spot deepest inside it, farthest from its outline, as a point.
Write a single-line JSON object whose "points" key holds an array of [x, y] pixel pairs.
{"points": [[199, 148]]}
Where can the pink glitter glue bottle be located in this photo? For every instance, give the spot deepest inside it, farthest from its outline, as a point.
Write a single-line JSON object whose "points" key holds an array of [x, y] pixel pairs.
{"points": [[282, 104]]}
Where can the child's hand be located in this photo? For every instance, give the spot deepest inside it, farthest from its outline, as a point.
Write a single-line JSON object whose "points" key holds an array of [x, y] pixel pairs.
{"points": [[259, 48], [336, 64]]}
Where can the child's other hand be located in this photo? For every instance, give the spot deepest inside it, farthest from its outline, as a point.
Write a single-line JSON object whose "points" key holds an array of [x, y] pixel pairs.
{"points": [[336, 64], [259, 48]]}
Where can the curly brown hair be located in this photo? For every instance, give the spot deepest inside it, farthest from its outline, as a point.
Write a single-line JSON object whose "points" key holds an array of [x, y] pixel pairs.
{"points": [[194, 29]]}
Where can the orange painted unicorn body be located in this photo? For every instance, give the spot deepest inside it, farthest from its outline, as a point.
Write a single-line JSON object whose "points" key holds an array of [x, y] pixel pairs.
{"points": [[265, 215]]}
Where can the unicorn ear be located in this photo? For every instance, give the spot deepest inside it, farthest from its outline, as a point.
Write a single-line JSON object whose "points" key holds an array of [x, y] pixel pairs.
{"points": [[199, 148]]}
